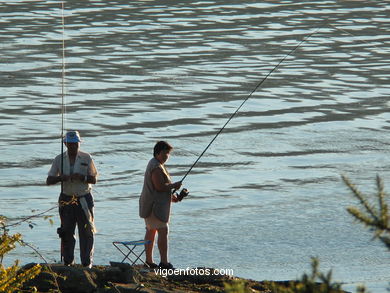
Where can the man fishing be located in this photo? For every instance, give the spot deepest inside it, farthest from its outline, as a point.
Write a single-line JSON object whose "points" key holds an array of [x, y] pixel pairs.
{"points": [[77, 172]]}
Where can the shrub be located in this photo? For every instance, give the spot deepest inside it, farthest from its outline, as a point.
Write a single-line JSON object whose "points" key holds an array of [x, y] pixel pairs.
{"points": [[375, 216], [12, 278]]}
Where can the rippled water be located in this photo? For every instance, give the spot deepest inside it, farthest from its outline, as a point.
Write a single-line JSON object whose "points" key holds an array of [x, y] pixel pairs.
{"points": [[267, 195]]}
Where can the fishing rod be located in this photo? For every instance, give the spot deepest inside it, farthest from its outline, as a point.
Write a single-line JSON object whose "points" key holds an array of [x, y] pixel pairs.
{"points": [[63, 109], [62, 91], [246, 99]]}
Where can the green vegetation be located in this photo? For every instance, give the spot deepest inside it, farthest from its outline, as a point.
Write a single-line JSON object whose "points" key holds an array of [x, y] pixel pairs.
{"points": [[375, 216], [237, 286], [12, 278]]}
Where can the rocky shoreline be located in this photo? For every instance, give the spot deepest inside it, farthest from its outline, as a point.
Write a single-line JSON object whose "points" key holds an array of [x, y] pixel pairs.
{"points": [[124, 278]]}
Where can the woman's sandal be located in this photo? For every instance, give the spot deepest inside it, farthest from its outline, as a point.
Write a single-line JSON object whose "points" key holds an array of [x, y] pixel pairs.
{"points": [[151, 265], [167, 266]]}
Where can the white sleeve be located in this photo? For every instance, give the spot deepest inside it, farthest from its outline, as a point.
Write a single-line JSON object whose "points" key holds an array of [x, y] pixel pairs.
{"points": [[55, 168]]}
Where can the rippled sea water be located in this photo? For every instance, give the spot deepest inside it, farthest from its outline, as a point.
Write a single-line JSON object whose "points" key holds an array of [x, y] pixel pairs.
{"points": [[267, 195]]}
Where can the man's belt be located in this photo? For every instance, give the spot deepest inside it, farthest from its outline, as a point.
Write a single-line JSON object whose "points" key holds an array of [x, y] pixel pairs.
{"points": [[73, 200]]}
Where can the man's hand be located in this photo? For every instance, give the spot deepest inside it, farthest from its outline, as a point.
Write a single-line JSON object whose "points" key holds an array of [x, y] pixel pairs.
{"points": [[63, 178], [77, 177], [55, 179]]}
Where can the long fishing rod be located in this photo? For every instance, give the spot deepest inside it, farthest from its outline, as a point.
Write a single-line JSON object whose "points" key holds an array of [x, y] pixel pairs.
{"points": [[246, 99], [62, 114], [62, 92]]}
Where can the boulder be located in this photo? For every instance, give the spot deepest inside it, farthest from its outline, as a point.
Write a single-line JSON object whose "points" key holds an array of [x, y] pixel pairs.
{"points": [[78, 279]]}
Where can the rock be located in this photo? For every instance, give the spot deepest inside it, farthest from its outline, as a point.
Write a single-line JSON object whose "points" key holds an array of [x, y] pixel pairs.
{"points": [[78, 279], [66, 278], [124, 278], [128, 273]]}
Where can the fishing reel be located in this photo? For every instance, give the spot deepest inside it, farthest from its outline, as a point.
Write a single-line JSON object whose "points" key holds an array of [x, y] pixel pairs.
{"points": [[61, 232], [183, 193]]}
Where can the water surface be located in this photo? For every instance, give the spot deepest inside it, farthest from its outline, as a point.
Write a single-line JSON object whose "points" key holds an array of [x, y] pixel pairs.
{"points": [[267, 195]]}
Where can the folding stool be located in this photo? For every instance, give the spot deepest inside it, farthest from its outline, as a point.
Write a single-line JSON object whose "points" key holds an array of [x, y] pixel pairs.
{"points": [[129, 250]]}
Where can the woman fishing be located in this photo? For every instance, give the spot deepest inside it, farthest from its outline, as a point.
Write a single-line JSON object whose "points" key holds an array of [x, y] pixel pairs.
{"points": [[155, 204]]}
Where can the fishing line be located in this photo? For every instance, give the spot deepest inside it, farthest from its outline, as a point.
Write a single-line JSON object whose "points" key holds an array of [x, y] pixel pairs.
{"points": [[353, 35], [247, 98]]}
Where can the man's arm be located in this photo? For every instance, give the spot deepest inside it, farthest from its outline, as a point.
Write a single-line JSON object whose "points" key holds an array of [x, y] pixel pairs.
{"points": [[50, 180], [91, 179]]}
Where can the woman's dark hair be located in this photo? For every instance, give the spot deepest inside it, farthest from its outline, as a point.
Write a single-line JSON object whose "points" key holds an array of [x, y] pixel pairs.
{"points": [[161, 146]]}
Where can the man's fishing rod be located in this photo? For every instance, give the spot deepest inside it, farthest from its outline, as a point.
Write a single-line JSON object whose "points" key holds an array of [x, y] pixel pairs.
{"points": [[62, 114], [246, 99], [62, 92]]}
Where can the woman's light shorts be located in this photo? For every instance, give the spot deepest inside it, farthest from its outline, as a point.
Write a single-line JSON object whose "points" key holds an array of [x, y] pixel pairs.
{"points": [[152, 222]]}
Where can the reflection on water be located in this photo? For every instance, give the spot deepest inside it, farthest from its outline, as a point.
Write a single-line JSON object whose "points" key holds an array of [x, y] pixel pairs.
{"points": [[267, 195]]}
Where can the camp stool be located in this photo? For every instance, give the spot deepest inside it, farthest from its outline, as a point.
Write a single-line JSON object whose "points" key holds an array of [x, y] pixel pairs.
{"points": [[130, 251]]}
